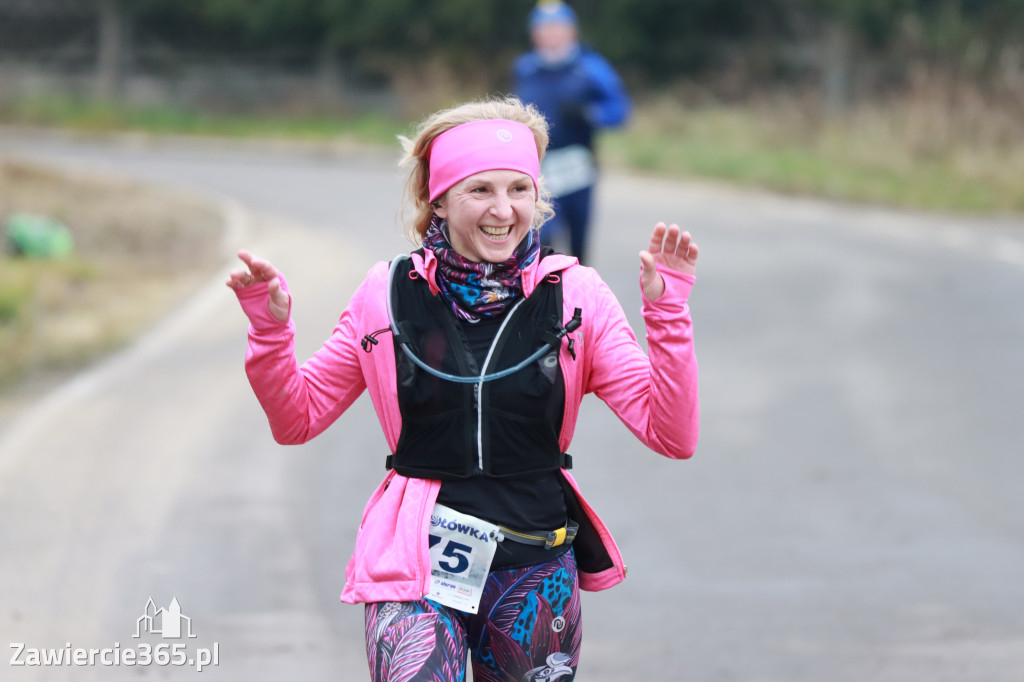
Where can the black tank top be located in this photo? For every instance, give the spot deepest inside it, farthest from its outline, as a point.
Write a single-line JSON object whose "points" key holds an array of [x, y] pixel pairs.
{"points": [[521, 503]]}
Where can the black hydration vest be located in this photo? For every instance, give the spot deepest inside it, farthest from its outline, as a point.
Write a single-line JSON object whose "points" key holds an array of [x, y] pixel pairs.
{"points": [[499, 428]]}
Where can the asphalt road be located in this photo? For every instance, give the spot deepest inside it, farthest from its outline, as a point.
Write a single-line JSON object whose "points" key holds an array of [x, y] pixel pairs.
{"points": [[853, 512]]}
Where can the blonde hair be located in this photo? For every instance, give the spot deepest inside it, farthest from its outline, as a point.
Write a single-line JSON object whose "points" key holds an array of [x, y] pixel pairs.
{"points": [[417, 210]]}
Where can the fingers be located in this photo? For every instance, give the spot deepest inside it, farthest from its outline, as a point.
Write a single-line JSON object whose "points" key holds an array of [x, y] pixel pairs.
{"points": [[648, 270], [672, 248], [651, 281], [657, 239], [279, 300], [236, 280], [277, 293], [646, 260], [669, 240], [262, 270], [258, 270], [239, 279], [691, 254], [672, 241]]}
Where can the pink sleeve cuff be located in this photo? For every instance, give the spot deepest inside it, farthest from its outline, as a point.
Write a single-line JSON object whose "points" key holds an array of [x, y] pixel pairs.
{"points": [[255, 300], [677, 289]]}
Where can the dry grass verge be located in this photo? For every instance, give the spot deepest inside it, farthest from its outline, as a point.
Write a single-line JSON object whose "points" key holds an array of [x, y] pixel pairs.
{"points": [[926, 150], [138, 251]]}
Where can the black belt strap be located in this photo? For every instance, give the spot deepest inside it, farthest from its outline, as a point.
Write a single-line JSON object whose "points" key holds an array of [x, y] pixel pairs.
{"points": [[564, 461]]}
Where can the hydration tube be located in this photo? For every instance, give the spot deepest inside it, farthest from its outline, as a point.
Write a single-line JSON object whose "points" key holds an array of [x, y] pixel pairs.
{"points": [[574, 323]]}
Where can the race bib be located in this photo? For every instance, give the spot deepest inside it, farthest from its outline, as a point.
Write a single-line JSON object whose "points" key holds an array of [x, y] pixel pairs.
{"points": [[568, 170], [461, 550]]}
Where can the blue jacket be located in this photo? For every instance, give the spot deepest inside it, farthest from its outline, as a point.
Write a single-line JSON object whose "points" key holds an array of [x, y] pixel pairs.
{"points": [[576, 96]]}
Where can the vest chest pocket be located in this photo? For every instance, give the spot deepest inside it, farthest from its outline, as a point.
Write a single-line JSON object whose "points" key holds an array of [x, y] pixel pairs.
{"points": [[537, 379], [422, 393]]}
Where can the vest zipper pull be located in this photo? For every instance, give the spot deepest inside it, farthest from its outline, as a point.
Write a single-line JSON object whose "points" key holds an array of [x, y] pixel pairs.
{"points": [[370, 340], [575, 323]]}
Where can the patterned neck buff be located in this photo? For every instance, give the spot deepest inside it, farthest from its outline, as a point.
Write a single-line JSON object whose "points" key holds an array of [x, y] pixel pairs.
{"points": [[476, 290]]}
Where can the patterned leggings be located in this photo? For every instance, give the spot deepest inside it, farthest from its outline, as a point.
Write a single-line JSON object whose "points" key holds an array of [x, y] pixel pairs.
{"points": [[527, 628]]}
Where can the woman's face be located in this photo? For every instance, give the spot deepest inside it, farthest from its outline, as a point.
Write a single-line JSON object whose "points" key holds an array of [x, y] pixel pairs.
{"points": [[488, 214]]}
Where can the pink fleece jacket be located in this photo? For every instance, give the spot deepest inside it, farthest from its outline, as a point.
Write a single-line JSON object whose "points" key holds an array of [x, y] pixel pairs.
{"points": [[655, 398]]}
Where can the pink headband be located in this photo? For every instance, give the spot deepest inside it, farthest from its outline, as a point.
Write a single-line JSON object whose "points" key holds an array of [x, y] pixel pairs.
{"points": [[478, 146]]}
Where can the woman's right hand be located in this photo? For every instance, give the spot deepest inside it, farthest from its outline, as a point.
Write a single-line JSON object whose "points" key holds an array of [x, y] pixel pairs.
{"points": [[259, 270]]}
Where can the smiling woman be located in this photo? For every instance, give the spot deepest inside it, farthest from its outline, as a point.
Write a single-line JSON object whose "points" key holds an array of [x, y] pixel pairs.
{"points": [[477, 543]]}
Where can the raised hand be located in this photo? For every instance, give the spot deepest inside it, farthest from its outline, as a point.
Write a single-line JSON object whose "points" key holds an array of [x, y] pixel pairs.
{"points": [[670, 249], [259, 270]]}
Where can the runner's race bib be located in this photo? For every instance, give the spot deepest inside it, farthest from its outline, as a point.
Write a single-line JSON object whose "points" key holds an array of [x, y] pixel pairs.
{"points": [[461, 550], [568, 170]]}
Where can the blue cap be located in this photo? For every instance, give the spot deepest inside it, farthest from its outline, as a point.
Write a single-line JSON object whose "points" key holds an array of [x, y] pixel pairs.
{"points": [[548, 10]]}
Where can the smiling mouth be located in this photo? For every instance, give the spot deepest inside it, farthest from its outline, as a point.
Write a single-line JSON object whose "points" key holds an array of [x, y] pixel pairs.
{"points": [[496, 233]]}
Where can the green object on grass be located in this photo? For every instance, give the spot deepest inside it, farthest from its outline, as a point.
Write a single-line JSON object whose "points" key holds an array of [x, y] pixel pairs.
{"points": [[38, 237]]}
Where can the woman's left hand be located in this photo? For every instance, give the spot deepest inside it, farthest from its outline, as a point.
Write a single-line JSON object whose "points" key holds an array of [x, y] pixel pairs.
{"points": [[671, 249]]}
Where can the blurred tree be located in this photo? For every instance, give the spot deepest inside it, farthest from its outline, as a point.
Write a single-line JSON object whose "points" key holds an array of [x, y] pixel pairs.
{"points": [[110, 49], [652, 42], [657, 40]]}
